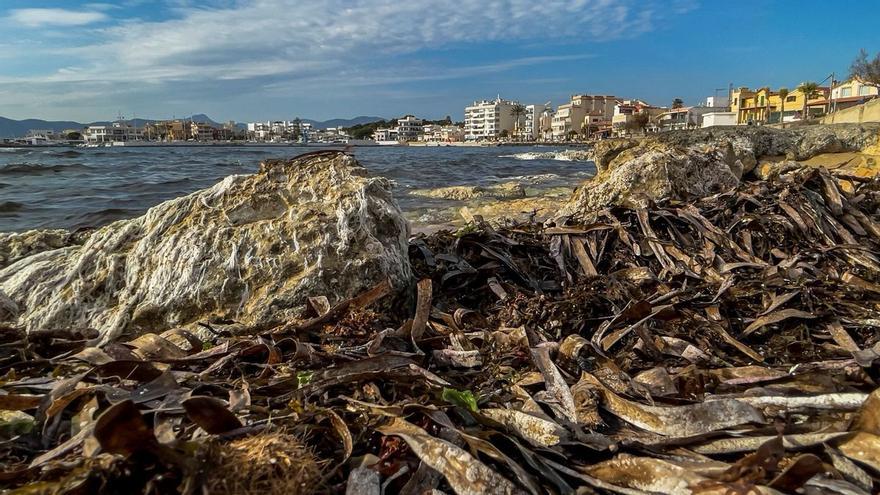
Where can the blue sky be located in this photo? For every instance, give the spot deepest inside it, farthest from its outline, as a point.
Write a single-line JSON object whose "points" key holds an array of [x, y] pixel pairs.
{"points": [[320, 59]]}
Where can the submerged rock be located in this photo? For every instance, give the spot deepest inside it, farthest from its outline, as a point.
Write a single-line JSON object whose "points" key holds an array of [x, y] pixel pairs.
{"points": [[506, 190], [251, 248]]}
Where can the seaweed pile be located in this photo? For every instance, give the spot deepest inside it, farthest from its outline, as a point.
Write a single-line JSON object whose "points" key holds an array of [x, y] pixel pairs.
{"points": [[729, 345]]}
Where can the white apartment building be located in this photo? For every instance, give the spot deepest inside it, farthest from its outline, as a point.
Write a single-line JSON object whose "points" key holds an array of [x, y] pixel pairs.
{"points": [[531, 128], [380, 135], [487, 119], [116, 132], [277, 129], [409, 128]]}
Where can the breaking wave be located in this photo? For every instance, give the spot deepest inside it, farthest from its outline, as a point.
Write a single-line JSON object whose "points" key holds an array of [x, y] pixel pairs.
{"points": [[567, 155]]}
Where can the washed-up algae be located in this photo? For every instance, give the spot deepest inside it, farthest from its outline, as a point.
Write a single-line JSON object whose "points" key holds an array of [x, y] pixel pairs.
{"points": [[728, 345]]}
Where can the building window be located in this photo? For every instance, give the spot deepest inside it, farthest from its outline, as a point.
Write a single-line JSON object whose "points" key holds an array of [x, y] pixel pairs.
{"points": [[844, 92], [864, 91], [790, 98]]}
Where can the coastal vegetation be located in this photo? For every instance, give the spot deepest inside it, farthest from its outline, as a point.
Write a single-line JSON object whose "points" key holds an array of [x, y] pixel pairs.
{"points": [[809, 89], [865, 68]]}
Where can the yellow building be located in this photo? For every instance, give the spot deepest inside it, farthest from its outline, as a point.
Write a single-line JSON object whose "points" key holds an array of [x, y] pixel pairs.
{"points": [[765, 106]]}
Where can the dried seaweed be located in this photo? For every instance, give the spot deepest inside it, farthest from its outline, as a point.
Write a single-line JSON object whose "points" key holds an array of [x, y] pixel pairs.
{"points": [[728, 345]]}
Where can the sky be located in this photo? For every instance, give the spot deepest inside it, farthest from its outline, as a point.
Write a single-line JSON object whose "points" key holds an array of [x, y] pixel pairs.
{"points": [[321, 59]]}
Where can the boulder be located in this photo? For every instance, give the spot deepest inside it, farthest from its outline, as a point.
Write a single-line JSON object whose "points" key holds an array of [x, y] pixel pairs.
{"points": [[250, 249], [652, 172]]}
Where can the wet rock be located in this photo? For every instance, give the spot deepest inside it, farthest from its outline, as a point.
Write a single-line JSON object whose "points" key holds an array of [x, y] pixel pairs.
{"points": [[507, 190], [251, 249]]}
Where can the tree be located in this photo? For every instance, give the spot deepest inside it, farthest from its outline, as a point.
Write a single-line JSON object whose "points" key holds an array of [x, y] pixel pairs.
{"points": [[783, 94], [677, 103], [638, 122], [809, 89], [866, 69], [517, 111], [572, 135]]}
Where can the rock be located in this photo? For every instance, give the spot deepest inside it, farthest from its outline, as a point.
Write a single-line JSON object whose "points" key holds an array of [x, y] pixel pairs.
{"points": [[8, 309], [251, 248], [688, 164], [507, 190], [650, 173], [605, 151], [17, 245]]}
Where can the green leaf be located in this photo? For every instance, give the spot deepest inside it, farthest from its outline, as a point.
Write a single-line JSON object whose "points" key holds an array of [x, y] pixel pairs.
{"points": [[461, 398], [303, 377]]}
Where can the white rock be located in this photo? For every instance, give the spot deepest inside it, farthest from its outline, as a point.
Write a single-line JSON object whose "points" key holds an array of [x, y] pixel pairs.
{"points": [[251, 249]]}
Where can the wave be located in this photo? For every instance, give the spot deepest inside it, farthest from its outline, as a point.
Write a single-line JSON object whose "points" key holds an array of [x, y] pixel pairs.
{"points": [[10, 207], [566, 155], [64, 154], [38, 168], [103, 217]]}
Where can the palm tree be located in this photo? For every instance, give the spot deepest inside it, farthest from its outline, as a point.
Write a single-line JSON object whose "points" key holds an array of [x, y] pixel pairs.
{"points": [[809, 89], [517, 111], [783, 94]]}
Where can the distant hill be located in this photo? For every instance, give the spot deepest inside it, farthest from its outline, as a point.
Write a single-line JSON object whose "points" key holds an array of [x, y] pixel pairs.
{"points": [[17, 128], [342, 122]]}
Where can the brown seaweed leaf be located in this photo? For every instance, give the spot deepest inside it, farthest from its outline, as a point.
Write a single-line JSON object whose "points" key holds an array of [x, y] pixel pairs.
{"points": [[211, 414], [677, 421], [464, 473]]}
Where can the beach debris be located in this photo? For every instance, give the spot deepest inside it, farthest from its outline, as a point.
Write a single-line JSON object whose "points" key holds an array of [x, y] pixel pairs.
{"points": [[725, 345]]}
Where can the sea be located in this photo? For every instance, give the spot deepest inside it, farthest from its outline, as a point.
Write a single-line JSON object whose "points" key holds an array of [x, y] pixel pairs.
{"points": [[72, 188]]}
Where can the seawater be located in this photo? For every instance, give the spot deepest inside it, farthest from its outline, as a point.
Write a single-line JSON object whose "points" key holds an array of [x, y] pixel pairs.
{"points": [[89, 187]]}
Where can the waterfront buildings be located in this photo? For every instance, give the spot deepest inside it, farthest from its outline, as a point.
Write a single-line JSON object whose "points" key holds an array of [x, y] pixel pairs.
{"points": [[583, 114], [436, 133], [408, 128], [488, 119], [116, 132], [530, 129], [385, 135], [275, 130], [685, 117], [633, 117], [850, 93], [765, 106]]}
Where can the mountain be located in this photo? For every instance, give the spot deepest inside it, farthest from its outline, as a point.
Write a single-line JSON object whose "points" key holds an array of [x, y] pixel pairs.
{"points": [[363, 119], [17, 128]]}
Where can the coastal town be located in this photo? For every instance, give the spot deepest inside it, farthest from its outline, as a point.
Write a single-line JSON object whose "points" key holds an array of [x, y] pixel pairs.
{"points": [[582, 119]]}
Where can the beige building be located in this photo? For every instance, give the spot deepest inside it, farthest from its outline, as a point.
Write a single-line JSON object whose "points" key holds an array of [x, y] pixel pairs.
{"points": [[851, 93], [583, 111]]}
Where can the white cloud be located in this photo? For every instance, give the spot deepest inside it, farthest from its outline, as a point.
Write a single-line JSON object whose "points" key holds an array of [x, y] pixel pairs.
{"points": [[281, 45], [54, 17]]}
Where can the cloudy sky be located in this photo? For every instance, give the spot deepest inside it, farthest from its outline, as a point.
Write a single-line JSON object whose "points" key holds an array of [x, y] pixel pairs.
{"points": [[279, 59]]}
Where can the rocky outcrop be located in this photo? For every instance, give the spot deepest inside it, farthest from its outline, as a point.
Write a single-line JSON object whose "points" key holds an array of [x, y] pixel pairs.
{"points": [[688, 164], [249, 249], [652, 172]]}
